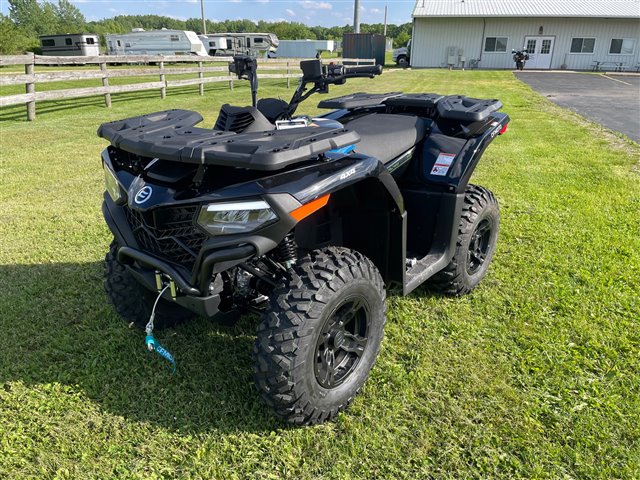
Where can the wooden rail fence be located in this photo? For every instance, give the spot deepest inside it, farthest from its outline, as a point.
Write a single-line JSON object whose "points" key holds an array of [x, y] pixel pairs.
{"points": [[289, 69]]}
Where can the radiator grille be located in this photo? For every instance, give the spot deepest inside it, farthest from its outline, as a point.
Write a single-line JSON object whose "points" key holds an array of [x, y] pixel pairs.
{"points": [[169, 233]]}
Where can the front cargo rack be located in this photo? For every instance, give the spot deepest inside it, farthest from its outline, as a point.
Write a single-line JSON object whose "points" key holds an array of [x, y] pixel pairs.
{"points": [[171, 135]]}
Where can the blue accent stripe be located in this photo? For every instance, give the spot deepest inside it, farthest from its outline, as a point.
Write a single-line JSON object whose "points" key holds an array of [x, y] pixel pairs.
{"points": [[344, 150]]}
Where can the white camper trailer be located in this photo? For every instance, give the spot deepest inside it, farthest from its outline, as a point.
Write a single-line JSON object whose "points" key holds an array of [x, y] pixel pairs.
{"points": [[242, 43], [213, 43], [75, 44], [155, 42]]}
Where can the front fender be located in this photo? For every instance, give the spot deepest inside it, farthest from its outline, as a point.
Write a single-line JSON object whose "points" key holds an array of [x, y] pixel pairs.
{"points": [[309, 183], [365, 202]]}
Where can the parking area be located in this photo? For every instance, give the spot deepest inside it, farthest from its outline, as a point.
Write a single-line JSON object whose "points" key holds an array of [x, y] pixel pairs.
{"points": [[611, 100]]}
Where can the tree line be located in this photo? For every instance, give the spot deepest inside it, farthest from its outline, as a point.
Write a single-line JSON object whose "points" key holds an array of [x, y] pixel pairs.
{"points": [[30, 18]]}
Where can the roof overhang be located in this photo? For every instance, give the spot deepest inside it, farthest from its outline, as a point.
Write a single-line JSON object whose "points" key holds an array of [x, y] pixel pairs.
{"points": [[527, 8]]}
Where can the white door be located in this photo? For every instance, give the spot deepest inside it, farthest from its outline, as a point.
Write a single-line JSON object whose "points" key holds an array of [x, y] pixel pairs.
{"points": [[540, 50]]}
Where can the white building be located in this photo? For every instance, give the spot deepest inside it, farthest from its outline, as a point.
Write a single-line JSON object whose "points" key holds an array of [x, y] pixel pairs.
{"points": [[571, 34]]}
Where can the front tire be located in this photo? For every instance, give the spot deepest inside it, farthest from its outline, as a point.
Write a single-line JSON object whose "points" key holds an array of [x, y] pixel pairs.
{"points": [[476, 244], [320, 336], [133, 302], [403, 62]]}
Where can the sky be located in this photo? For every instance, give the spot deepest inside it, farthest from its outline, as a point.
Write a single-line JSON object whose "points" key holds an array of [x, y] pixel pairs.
{"points": [[324, 12]]}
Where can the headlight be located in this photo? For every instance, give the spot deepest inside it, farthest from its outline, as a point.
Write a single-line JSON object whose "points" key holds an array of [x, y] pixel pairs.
{"points": [[236, 217], [112, 185]]}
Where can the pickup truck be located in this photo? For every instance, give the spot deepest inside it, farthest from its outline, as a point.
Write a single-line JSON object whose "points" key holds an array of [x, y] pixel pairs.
{"points": [[401, 55]]}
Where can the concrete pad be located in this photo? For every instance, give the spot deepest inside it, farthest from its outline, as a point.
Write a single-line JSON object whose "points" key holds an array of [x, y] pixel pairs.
{"points": [[610, 100]]}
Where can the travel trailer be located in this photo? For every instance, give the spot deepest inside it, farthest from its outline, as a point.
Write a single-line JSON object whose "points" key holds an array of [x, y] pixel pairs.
{"points": [[240, 43], [74, 44], [213, 43], [155, 42]]}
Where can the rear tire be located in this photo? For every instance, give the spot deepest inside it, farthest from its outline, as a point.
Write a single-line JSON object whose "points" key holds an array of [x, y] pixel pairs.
{"points": [[476, 244], [320, 336], [133, 302]]}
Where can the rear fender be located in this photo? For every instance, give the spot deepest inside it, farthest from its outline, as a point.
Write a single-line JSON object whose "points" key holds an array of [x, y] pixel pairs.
{"points": [[446, 162]]}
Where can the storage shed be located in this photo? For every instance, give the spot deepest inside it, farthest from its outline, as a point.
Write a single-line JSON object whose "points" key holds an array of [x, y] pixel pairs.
{"points": [[364, 45], [580, 35]]}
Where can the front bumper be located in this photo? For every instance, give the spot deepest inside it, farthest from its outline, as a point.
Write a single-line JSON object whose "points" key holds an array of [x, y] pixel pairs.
{"points": [[192, 293]]}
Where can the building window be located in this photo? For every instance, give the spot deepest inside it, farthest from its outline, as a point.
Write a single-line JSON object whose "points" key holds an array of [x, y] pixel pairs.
{"points": [[622, 46], [495, 44], [582, 45], [175, 38], [531, 46], [546, 47], [49, 42], [91, 41], [67, 41]]}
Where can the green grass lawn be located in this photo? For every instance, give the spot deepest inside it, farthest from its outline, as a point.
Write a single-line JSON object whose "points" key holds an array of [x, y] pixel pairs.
{"points": [[534, 375]]}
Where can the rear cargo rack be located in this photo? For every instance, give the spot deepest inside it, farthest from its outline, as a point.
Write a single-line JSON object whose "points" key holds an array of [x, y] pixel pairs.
{"points": [[357, 100], [454, 107]]}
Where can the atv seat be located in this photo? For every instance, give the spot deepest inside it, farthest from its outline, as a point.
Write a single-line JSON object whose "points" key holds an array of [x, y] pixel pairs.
{"points": [[385, 136]]}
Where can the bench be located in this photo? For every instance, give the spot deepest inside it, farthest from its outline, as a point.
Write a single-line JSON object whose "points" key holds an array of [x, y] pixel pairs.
{"points": [[600, 66]]}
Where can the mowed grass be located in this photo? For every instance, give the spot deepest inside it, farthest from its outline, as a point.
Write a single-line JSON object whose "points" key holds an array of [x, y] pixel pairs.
{"points": [[534, 375]]}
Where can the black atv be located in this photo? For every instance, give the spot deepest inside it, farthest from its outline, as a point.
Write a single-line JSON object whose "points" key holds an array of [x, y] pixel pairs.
{"points": [[303, 221]]}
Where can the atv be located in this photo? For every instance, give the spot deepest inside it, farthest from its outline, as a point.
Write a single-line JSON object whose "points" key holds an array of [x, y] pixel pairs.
{"points": [[306, 222]]}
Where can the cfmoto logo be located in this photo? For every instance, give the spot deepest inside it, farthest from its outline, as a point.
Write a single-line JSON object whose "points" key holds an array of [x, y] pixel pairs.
{"points": [[143, 194]]}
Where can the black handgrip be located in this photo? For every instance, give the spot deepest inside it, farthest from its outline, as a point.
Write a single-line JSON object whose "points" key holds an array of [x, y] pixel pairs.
{"points": [[363, 70], [341, 72]]}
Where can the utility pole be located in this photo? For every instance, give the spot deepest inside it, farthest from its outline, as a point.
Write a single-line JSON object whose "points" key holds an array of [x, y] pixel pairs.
{"points": [[356, 17], [385, 20], [204, 22]]}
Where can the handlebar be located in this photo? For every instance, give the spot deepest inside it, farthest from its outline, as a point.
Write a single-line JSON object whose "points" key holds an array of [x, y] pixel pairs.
{"points": [[321, 76], [357, 71]]}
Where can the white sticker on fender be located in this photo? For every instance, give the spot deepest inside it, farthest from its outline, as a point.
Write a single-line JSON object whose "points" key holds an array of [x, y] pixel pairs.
{"points": [[444, 161]]}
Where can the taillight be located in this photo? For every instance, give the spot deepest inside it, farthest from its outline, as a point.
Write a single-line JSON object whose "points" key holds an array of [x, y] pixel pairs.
{"points": [[504, 129]]}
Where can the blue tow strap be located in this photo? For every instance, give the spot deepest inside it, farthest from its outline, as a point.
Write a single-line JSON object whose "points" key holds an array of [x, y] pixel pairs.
{"points": [[153, 346], [151, 343]]}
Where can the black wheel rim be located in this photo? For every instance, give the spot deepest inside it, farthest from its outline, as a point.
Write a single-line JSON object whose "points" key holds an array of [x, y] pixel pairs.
{"points": [[479, 246], [342, 342]]}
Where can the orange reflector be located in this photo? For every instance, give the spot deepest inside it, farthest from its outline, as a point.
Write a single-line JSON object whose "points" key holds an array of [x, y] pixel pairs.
{"points": [[308, 208]]}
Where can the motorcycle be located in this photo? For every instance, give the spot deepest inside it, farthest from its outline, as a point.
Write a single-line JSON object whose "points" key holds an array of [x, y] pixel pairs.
{"points": [[520, 57]]}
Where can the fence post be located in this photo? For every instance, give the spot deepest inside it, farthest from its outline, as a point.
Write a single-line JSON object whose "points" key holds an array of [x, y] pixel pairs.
{"points": [[230, 82], [201, 77], [105, 83], [288, 79], [163, 89], [30, 87]]}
